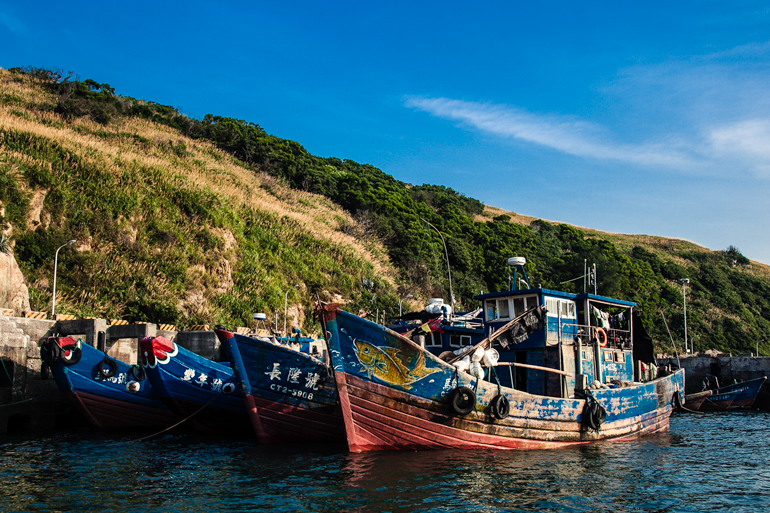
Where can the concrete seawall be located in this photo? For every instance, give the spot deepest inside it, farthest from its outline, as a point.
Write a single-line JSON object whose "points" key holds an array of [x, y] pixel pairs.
{"points": [[30, 403]]}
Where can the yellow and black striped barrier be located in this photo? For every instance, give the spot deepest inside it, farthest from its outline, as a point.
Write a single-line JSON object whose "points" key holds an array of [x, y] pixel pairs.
{"points": [[199, 327], [240, 330], [8, 312], [35, 315], [166, 327], [64, 317], [117, 322]]}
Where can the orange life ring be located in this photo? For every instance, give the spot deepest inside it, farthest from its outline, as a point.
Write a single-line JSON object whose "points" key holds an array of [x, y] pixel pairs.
{"points": [[602, 335]]}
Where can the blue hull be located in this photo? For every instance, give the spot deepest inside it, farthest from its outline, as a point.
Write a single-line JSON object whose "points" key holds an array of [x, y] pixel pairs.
{"points": [[740, 396], [395, 395], [290, 396], [206, 393], [106, 401]]}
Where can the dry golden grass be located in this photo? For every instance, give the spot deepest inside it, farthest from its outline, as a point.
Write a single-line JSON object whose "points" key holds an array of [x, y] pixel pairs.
{"points": [[204, 166]]}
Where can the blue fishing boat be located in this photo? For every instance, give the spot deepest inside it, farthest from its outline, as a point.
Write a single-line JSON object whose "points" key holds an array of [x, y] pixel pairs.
{"points": [[204, 392], [108, 392], [555, 369], [290, 396], [738, 396]]}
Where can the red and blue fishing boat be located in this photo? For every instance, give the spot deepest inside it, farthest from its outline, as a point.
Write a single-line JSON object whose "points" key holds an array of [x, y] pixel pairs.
{"points": [[739, 396], [555, 369], [108, 392], [204, 392], [290, 395]]}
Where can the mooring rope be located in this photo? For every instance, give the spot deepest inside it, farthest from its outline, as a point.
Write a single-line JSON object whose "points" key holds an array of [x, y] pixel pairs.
{"points": [[168, 428]]}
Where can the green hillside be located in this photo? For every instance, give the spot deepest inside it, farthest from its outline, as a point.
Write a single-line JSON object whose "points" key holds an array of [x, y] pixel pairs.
{"points": [[168, 207]]}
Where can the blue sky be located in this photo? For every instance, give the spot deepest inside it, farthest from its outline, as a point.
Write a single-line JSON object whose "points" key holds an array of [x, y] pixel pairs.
{"points": [[648, 118]]}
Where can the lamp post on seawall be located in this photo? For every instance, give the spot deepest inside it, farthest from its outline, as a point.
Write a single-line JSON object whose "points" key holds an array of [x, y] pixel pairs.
{"points": [[448, 269], [399, 304], [758, 341], [286, 306], [684, 282], [55, 265]]}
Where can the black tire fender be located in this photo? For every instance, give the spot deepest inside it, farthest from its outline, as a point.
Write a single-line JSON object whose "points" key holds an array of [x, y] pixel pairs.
{"points": [[50, 352], [111, 367], [500, 407], [45, 371], [74, 356], [593, 414], [137, 372], [462, 400]]}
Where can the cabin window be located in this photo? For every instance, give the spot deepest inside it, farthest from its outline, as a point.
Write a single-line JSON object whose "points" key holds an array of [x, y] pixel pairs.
{"points": [[498, 309], [620, 357], [433, 340], [459, 340], [564, 306], [522, 304], [608, 356], [583, 355]]}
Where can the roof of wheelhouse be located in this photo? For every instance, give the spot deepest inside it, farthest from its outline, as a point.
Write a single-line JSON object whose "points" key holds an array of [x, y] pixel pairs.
{"points": [[554, 293]]}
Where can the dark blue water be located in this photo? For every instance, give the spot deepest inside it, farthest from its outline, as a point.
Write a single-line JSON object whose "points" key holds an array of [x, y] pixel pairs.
{"points": [[718, 462]]}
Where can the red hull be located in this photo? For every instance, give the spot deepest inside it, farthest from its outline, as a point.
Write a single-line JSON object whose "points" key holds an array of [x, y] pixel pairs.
{"points": [[277, 422], [380, 418], [108, 413]]}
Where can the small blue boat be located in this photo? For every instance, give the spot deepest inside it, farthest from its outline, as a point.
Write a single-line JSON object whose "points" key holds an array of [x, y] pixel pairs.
{"points": [[290, 396], [738, 396], [204, 392], [108, 392]]}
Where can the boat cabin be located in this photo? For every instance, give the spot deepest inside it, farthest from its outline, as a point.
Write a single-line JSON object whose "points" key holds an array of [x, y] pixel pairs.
{"points": [[586, 338], [442, 332]]}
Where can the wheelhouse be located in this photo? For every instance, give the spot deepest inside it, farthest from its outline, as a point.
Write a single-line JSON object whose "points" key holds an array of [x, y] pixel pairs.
{"points": [[586, 338]]}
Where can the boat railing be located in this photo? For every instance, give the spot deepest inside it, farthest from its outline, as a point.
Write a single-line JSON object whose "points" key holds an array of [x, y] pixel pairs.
{"points": [[592, 335]]}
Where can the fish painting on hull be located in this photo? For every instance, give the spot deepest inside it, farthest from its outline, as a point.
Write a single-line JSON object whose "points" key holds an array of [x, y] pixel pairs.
{"points": [[385, 363]]}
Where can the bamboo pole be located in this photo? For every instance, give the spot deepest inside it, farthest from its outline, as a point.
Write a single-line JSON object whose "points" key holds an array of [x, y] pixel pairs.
{"points": [[535, 367]]}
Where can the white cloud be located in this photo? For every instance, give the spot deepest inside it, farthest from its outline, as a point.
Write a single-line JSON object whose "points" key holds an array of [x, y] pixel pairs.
{"points": [[10, 22], [747, 141], [696, 114], [561, 133]]}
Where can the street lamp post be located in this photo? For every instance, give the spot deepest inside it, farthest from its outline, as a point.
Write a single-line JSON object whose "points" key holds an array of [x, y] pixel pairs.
{"points": [[55, 265], [399, 304], [684, 282], [448, 269], [286, 306]]}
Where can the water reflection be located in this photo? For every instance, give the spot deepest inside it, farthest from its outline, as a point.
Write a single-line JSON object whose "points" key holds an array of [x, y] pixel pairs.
{"points": [[706, 463]]}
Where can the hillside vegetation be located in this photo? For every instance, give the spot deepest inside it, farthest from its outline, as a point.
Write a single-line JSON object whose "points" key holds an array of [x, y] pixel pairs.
{"points": [[184, 220], [169, 229]]}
